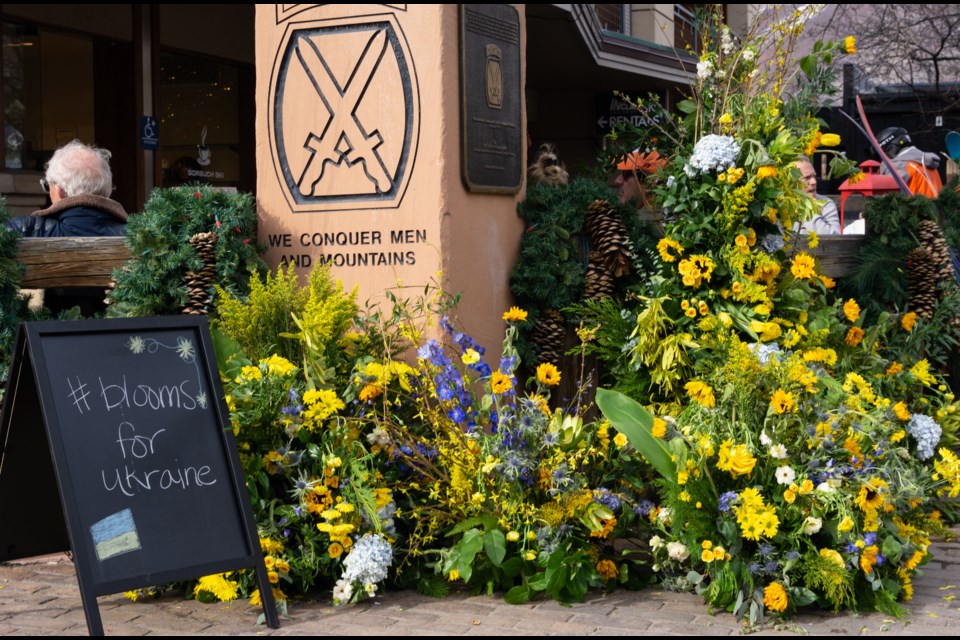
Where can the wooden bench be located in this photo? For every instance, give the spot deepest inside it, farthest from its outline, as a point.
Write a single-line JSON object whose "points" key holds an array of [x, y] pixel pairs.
{"points": [[71, 262]]}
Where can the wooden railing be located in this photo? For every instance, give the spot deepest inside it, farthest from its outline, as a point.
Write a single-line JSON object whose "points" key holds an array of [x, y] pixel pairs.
{"points": [[71, 262]]}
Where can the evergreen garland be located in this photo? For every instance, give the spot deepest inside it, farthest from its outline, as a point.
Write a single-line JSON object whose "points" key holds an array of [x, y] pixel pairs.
{"points": [[948, 205], [152, 282], [12, 306], [549, 272]]}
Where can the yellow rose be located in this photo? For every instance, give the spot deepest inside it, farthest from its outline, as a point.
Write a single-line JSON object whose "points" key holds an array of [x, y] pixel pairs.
{"points": [[830, 140]]}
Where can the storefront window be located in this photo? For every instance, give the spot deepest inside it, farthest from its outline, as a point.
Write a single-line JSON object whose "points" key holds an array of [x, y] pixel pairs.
{"points": [[47, 93], [199, 121]]}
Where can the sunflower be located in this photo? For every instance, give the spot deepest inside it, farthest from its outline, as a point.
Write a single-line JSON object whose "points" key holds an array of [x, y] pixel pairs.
{"points": [[548, 374], [500, 383], [515, 314], [782, 401], [871, 498]]}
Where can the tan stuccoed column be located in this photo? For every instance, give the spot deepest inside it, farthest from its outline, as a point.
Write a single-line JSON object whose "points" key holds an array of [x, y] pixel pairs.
{"points": [[360, 150]]}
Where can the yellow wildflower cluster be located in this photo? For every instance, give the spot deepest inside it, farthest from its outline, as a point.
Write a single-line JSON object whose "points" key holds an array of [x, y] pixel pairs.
{"points": [[712, 553], [766, 171], [695, 270], [692, 307], [736, 202], [947, 469], [803, 376], [735, 459], [756, 518], [319, 405], [731, 175], [607, 569], [820, 354], [900, 410], [921, 371]]}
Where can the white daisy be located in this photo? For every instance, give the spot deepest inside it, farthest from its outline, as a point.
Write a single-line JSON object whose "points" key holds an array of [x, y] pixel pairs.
{"points": [[786, 474], [778, 451]]}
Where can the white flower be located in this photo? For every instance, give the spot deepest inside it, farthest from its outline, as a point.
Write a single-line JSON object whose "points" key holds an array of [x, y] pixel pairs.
{"points": [[342, 592], [765, 439], [786, 474], [748, 55], [371, 588], [655, 568], [811, 525], [778, 451], [664, 514], [656, 542], [726, 41], [704, 69], [678, 551], [826, 487], [670, 181], [713, 153]]}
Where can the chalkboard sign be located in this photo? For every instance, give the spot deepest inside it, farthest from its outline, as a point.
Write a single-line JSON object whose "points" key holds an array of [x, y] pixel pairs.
{"points": [[137, 450]]}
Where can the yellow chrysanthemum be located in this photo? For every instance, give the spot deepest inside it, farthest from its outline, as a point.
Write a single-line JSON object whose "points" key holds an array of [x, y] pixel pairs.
{"points": [[775, 597], [607, 569], [548, 374], [766, 171], [735, 459], [701, 392], [515, 314], [659, 428], [850, 45], [900, 410], [851, 310], [802, 266], [854, 336], [908, 320]]}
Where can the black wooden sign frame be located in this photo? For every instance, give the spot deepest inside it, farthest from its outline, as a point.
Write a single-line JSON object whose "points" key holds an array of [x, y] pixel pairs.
{"points": [[40, 466]]}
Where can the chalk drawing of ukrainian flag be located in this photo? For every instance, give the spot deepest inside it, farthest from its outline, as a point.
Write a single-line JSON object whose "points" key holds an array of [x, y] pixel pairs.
{"points": [[115, 534]]}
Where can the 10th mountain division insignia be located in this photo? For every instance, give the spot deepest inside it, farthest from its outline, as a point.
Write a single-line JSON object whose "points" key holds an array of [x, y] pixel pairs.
{"points": [[344, 115]]}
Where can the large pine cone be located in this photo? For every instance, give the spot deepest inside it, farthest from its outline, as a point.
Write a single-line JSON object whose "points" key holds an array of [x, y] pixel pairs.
{"points": [[923, 277], [200, 283], [609, 238], [549, 334], [598, 282]]}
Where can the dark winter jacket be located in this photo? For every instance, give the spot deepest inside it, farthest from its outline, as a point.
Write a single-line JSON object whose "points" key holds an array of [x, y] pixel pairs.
{"points": [[74, 216]]}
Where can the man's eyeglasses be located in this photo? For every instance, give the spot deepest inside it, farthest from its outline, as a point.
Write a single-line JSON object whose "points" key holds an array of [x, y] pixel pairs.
{"points": [[44, 185]]}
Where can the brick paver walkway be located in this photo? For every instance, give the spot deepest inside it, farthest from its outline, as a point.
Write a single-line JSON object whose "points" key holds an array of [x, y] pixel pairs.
{"points": [[40, 596]]}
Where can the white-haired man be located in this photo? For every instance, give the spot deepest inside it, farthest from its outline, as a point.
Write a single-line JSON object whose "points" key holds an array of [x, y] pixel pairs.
{"points": [[79, 181]]}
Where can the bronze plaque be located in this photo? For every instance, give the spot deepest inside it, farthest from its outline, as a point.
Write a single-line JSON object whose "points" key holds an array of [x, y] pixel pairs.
{"points": [[490, 97]]}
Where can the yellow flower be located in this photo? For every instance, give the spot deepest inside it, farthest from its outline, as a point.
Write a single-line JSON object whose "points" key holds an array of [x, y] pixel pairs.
{"points": [[908, 320], [845, 525], [706, 544], [530, 555], [607, 569], [548, 374], [857, 177], [659, 428], [802, 266], [851, 310], [701, 392], [454, 575], [665, 245], [740, 240], [901, 411], [782, 401], [775, 597], [870, 498], [278, 366], [736, 459], [515, 314], [470, 356], [513, 536], [789, 496], [868, 558], [894, 368], [726, 119], [766, 171], [706, 555], [273, 577], [854, 336], [218, 586], [850, 45], [830, 140], [921, 371], [832, 556], [620, 440], [898, 436], [500, 383], [690, 313], [813, 240]]}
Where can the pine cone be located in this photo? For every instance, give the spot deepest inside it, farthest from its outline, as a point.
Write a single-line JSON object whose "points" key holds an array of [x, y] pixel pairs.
{"points": [[609, 238], [922, 278], [930, 236], [598, 283], [548, 334], [199, 283]]}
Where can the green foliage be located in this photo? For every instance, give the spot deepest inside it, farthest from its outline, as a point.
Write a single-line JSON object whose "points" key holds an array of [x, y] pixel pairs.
{"points": [[948, 205], [894, 219], [12, 307], [879, 280], [632, 420], [152, 282], [831, 579], [302, 324]]}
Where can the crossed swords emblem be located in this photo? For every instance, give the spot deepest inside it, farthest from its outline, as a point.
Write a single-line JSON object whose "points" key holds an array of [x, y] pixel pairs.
{"points": [[343, 139]]}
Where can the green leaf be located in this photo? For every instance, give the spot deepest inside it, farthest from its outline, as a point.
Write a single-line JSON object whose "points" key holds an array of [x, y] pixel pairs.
{"points": [[517, 595], [538, 582], [469, 523], [495, 544], [801, 597], [512, 567], [687, 106], [632, 420], [892, 550], [809, 65]]}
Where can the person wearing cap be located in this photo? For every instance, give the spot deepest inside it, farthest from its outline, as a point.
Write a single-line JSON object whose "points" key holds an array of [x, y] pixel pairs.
{"points": [[917, 169], [632, 171]]}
